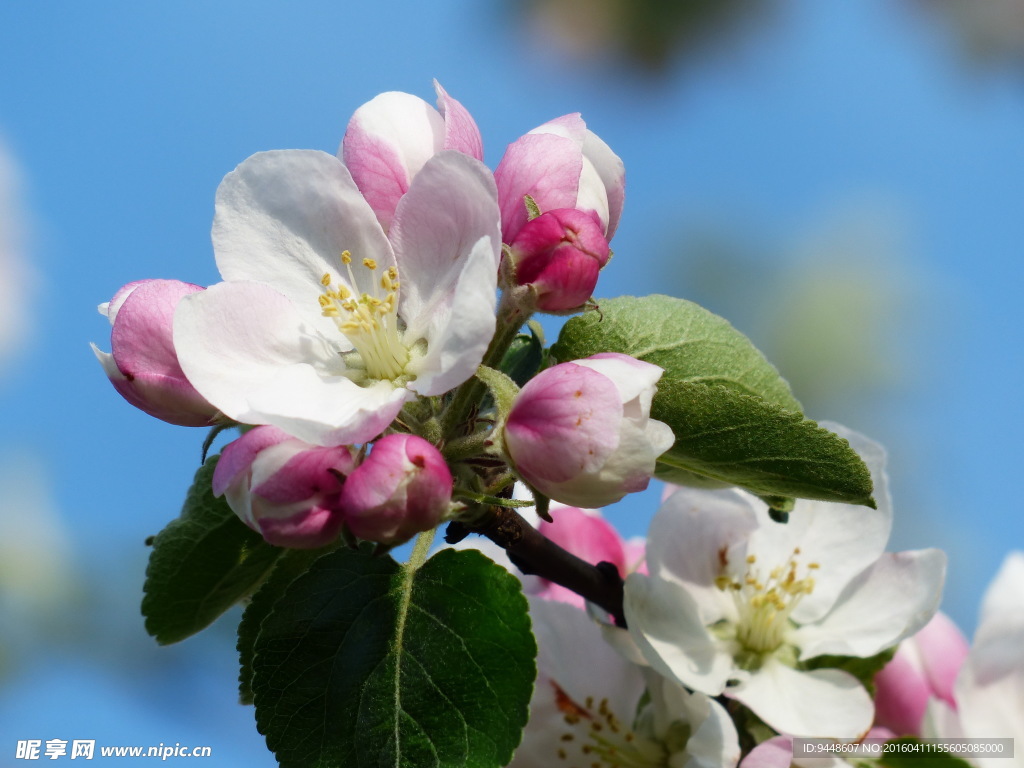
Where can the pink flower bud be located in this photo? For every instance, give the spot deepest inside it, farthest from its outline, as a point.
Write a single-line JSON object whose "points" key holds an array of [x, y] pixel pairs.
{"points": [[284, 488], [581, 432], [142, 364], [560, 254], [925, 666], [402, 488], [560, 164], [391, 137]]}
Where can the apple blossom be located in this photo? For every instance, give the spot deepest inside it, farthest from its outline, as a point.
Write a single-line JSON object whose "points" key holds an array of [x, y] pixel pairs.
{"points": [[325, 326], [560, 164], [737, 603], [581, 432], [402, 488], [559, 254], [584, 710], [925, 666], [284, 488], [143, 364], [391, 137], [989, 690], [777, 752]]}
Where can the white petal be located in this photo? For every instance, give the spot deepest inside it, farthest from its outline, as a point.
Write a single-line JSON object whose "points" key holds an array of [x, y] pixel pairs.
{"points": [[714, 742], [571, 647], [284, 217], [665, 623], [892, 600], [450, 207], [459, 335], [245, 348], [691, 539], [824, 703], [990, 689], [822, 531]]}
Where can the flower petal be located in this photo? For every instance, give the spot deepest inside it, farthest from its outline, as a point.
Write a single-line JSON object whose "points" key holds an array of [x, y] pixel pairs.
{"points": [[890, 601], [439, 225], [823, 703], [245, 348], [460, 130], [283, 218], [609, 169], [387, 141], [545, 166], [692, 539], [665, 622], [822, 532]]}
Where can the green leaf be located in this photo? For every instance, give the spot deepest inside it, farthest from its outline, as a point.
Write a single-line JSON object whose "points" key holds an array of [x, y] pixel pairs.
{"points": [[524, 358], [735, 420], [739, 439], [689, 342], [289, 566], [202, 563], [365, 662]]}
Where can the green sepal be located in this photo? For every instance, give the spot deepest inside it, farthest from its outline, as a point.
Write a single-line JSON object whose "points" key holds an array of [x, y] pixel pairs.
{"points": [[525, 356], [366, 662], [201, 564]]}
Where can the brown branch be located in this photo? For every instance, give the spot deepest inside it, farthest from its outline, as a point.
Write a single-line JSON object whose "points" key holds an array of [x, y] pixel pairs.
{"points": [[533, 553]]}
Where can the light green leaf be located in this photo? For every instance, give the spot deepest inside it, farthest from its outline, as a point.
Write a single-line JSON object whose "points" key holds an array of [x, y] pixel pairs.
{"points": [[365, 662], [202, 563], [689, 342], [735, 420]]}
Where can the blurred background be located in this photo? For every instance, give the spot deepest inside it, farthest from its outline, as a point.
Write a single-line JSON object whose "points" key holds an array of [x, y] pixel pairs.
{"points": [[843, 181]]}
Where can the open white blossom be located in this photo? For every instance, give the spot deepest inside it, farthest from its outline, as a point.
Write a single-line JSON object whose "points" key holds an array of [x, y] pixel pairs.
{"points": [[326, 326], [589, 708], [738, 604]]}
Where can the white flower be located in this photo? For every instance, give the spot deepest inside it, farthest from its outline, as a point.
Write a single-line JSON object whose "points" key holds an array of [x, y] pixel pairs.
{"points": [[989, 691], [584, 711], [325, 325], [735, 602]]}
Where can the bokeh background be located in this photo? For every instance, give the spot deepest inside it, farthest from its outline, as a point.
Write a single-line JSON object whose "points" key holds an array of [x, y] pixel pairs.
{"points": [[843, 181]]}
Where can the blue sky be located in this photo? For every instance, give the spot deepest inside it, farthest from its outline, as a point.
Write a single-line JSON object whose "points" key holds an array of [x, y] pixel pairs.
{"points": [[123, 117]]}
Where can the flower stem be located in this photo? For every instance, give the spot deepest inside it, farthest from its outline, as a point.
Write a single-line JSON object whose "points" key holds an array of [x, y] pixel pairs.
{"points": [[533, 553]]}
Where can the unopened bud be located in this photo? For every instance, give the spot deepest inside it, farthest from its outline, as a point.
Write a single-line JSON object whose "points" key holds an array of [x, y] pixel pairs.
{"points": [[560, 254], [142, 364], [286, 489], [402, 488]]}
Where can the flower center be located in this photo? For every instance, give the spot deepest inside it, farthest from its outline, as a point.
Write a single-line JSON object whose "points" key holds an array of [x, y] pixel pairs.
{"points": [[595, 738], [764, 605], [369, 321]]}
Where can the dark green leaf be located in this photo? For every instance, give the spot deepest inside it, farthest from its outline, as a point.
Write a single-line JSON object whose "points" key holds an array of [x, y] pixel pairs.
{"points": [[735, 420], [523, 358], [365, 662], [202, 563], [287, 568]]}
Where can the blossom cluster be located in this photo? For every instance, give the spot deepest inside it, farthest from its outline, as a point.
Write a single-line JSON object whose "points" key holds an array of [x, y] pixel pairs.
{"points": [[358, 344], [360, 284]]}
